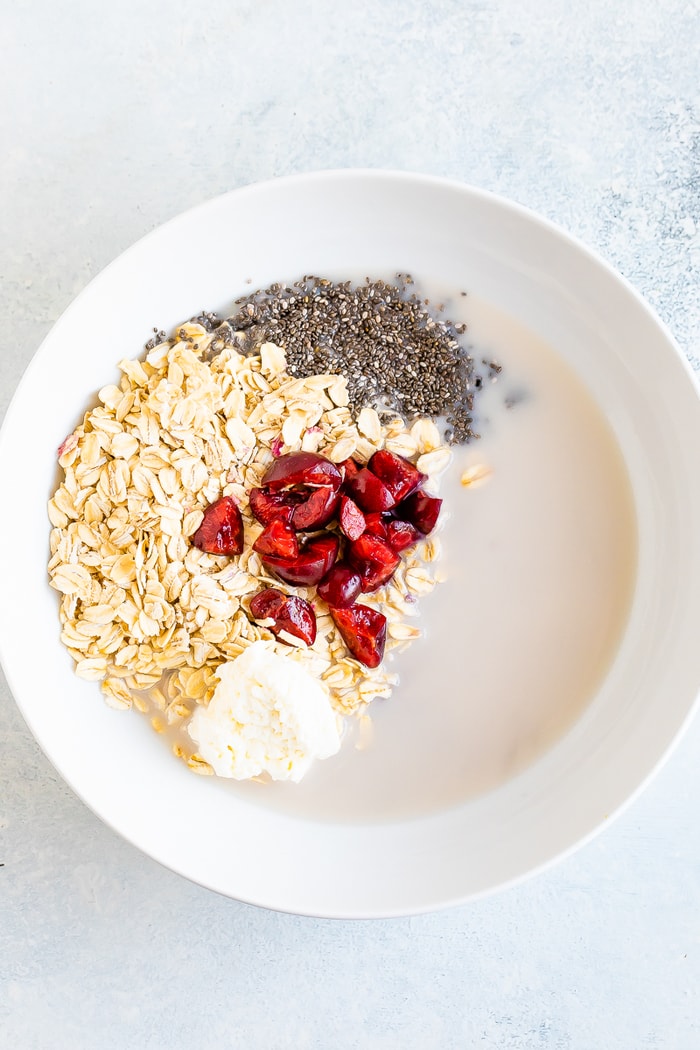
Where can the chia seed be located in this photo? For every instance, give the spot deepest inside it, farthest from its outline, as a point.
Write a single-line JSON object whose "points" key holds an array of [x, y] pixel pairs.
{"points": [[157, 337], [208, 321]]}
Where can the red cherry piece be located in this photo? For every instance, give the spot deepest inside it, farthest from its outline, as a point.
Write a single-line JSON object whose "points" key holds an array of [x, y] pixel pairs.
{"points": [[309, 508], [399, 476], [310, 565], [317, 509], [401, 534], [341, 586], [348, 468], [351, 519], [369, 492], [277, 538], [265, 603], [272, 506], [421, 510], [291, 614], [374, 560], [364, 632], [376, 525], [221, 531], [301, 468], [300, 488]]}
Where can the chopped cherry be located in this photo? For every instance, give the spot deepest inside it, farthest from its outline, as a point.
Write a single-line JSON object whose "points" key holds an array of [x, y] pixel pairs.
{"points": [[291, 615], [348, 468], [421, 510], [221, 531], [374, 560], [401, 534], [265, 603], [317, 509], [277, 538], [306, 510], [271, 506], [399, 476], [301, 468], [310, 565], [341, 586], [364, 632], [351, 519], [369, 492], [300, 488], [376, 524]]}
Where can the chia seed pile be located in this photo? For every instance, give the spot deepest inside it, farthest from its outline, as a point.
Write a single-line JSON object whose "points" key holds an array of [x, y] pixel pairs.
{"points": [[397, 355]]}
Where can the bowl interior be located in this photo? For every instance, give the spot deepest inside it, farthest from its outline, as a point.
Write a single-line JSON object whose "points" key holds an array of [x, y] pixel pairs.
{"points": [[378, 223]]}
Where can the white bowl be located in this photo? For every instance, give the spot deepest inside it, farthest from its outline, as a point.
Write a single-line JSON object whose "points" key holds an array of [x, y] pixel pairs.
{"points": [[375, 222]]}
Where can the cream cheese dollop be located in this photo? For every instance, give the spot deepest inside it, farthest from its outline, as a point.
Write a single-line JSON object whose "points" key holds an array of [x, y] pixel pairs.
{"points": [[267, 715]]}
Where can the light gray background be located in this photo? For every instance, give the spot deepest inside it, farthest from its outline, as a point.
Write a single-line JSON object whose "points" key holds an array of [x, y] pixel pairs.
{"points": [[116, 117]]}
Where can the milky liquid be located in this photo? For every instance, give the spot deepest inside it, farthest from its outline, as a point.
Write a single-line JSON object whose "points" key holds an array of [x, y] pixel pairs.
{"points": [[539, 563]]}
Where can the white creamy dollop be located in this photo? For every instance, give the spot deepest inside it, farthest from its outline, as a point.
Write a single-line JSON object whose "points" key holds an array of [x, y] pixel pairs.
{"points": [[267, 715]]}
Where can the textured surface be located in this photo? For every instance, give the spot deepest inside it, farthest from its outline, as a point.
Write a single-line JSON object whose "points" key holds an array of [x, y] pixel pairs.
{"points": [[115, 118]]}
